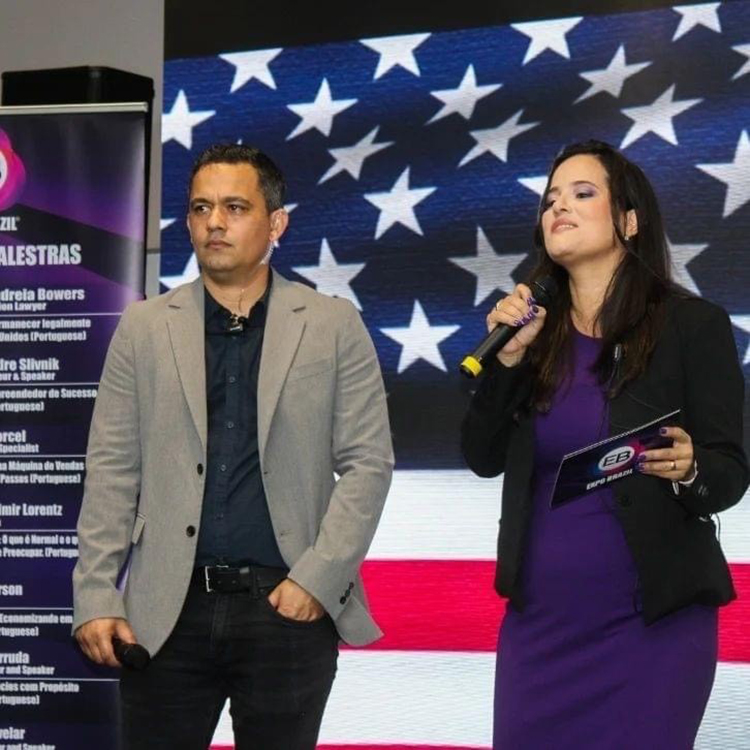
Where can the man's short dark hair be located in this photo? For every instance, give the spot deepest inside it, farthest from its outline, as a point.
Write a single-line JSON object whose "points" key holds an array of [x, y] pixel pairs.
{"points": [[270, 179]]}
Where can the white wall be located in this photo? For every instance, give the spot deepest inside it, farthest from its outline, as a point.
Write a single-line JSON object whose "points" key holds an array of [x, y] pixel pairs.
{"points": [[125, 34]]}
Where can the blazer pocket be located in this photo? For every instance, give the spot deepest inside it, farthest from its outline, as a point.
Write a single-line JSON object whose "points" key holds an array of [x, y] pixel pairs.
{"points": [[140, 522], [309, 369]]}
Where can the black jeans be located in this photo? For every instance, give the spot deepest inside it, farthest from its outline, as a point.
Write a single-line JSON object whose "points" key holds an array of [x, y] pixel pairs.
{"points": [[276, 673]]}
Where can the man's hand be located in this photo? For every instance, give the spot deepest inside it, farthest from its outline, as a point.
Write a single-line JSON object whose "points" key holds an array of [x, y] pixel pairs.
{"points": [[290, 600], [95, 638]]}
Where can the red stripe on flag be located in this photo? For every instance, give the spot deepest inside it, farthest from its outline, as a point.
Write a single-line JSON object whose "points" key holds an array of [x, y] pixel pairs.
{"points": [[447, 605], [734, 620], [434, 605]]}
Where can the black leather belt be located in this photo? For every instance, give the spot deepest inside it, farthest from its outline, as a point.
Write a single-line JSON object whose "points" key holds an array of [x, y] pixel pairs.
{"points": [[226, 579]]}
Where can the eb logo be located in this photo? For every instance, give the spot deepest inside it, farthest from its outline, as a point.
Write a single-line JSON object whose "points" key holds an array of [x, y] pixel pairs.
{"points": [[616, 458], [12, 173]]}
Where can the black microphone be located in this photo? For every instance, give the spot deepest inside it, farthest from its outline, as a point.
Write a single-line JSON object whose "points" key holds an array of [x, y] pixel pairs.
{"points": [[131, 655], [543, 290]]}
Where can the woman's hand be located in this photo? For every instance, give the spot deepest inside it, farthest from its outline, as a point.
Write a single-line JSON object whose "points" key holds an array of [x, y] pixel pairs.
{"points": [[676, 463], [518, 309]]}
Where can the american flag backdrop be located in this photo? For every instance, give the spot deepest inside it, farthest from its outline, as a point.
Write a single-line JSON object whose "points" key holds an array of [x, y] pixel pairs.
{"points": [[415, 165]]}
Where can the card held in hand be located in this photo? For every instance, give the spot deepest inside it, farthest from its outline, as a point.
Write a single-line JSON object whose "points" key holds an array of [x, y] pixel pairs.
{"points": [[598, 465]]}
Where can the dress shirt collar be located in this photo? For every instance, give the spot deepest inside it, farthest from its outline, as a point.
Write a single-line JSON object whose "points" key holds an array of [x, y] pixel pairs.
{"points": [[217, 316]]}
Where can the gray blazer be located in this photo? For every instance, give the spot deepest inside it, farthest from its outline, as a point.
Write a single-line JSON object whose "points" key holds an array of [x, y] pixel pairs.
{"points": [[321, 409]]}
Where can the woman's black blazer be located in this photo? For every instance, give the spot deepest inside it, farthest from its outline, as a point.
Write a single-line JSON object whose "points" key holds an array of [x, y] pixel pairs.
{"points": [[672, 538]]}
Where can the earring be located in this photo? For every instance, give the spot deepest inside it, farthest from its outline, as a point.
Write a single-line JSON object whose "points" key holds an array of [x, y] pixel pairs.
{"points": [[626, 237]]}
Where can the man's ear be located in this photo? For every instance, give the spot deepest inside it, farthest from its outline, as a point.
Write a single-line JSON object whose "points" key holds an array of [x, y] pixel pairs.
{"points": [[187, 224], [279, 223]]}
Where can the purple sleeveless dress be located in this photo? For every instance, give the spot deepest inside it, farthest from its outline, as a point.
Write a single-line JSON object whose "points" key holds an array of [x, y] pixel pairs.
{"points": [[578, 669]]}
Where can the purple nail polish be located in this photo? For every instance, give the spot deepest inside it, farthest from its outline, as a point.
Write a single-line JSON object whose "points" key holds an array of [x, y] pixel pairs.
{"points": [[662, 430], [534, 309]]}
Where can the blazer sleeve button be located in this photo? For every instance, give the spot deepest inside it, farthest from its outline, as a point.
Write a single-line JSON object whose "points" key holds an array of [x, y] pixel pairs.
{"points": [[190, 530], [199, 469], [342, 600]]}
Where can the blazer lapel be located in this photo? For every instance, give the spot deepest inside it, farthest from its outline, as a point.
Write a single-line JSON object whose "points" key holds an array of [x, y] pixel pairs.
{"points": [[187, 336], [284, 327]]}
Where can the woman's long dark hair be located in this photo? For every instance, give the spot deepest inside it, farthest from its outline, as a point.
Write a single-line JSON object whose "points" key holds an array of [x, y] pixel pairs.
{"points": [[632, 309]]}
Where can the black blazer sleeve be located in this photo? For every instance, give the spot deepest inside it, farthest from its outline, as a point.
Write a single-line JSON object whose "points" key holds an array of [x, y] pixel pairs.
{"points": [[713, 400], [486, 428]]}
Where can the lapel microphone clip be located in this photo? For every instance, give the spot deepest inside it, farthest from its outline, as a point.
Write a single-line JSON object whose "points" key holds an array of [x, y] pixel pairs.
{"points": [[236, 324]]}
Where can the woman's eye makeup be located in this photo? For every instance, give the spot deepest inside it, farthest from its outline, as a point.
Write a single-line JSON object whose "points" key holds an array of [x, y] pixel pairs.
{"points": [[585, 189], [579, 194]]}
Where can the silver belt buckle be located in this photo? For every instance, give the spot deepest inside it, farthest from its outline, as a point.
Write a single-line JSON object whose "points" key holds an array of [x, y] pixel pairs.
{"points": [[205, 573]]}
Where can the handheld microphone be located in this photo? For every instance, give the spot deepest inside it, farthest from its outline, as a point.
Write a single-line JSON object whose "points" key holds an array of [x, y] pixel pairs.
{"points": [[131, 655], [543, 291]]}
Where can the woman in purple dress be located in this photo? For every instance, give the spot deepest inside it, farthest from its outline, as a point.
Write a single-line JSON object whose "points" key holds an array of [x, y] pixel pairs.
{"points": [[610, 637]]}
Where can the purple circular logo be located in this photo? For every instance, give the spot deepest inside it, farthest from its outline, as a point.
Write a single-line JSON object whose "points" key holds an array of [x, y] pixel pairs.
{"points": [[12, 173]]}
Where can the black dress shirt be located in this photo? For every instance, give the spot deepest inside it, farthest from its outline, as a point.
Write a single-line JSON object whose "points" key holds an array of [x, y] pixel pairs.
{"points": [[235, 523]]}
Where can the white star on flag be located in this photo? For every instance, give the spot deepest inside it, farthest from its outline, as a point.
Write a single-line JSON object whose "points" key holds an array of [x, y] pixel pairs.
{"points": [[706, 15], [492, 271], [164, 223], [189, 273], [319, 114], [249, 65], [547, 35], [350, 158], [420, 340], [656, 117], [331, 277], [681, 256], [743, 323], [496, 140], [535, 184], [612, 78], [463, 99], [395, 50], [734, 174], [397, 205], [178, 123], [743, 49]]}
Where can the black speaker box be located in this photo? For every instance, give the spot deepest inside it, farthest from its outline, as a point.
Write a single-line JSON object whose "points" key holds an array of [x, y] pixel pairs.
{"points": [[89, 84]]}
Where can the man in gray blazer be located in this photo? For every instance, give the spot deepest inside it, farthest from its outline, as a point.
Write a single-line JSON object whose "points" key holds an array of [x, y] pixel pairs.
{"points": [[239, 457]]}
